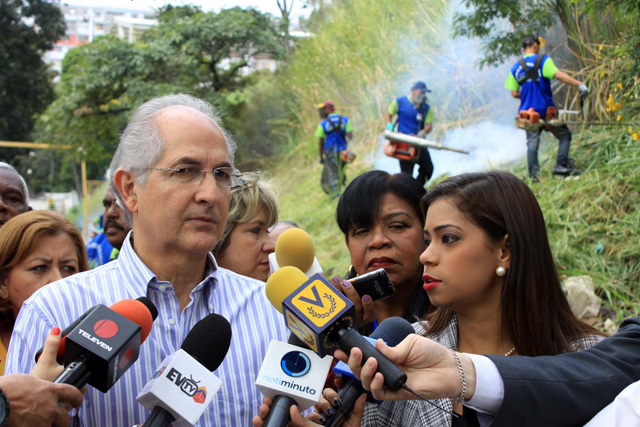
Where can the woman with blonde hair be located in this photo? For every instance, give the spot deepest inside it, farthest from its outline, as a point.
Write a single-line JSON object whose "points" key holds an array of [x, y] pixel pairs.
{"points": [[245, 244], [36, 248]]}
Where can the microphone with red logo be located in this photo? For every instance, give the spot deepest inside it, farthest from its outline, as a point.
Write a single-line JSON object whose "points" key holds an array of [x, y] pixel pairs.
{"points": [[183, 386], [60, 355], [106, 342]]}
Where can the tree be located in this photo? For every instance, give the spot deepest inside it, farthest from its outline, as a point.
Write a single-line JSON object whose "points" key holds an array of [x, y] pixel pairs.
{"points": [[218, 45], [28, 28], [104, 81], [503, 24]]}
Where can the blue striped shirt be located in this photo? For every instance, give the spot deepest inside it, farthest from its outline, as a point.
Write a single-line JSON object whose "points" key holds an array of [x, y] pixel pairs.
{"points": [[241, 300]]}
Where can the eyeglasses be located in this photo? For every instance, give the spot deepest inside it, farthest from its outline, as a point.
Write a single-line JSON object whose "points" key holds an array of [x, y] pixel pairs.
{"points": [[193, 175]]}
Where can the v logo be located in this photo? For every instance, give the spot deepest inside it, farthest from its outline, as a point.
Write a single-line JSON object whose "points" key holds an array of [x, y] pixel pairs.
{"points": [[317, 301]]}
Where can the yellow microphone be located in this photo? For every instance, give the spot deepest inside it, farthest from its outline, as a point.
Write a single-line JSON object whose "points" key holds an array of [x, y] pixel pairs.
{"points": [[323, 318], [282, 283], [295, 248]]}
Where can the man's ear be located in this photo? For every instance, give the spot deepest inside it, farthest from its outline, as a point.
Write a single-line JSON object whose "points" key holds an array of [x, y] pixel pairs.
{"points": [[126, 185], [505, 252]]}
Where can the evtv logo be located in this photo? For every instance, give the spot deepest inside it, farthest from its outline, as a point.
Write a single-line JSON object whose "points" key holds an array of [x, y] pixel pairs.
{"points": [[188, 386]]}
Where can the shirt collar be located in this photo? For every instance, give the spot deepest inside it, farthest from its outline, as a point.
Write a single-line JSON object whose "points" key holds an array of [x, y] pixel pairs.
{"points": [[140, 277]]}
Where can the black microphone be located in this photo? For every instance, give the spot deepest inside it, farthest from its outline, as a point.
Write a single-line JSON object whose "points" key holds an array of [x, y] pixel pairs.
{"points": [[105, 343], [183, 386], [392, 330]]}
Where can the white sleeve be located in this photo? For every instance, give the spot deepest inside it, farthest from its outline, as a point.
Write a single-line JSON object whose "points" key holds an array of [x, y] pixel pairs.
{"points": [[489, 386], [623, 411]]}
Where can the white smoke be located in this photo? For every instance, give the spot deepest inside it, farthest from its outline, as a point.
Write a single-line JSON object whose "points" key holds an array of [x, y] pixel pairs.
{"points": [[473, 110]]}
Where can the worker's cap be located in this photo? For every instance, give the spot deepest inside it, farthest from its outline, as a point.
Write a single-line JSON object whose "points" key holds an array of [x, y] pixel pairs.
{"points": [[420, 85], [529, 40], [327, 104]]}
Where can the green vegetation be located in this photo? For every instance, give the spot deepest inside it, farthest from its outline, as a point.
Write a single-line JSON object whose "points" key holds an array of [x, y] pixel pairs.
{"points": [[363, 53], [104, 81], [592, 222]]}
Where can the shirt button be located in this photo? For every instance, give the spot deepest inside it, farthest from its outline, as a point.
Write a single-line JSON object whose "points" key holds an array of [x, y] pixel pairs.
{"points": [[162, 288], [172, 322]]}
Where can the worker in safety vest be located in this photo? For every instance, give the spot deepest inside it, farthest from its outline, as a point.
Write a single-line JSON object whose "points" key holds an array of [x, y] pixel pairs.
{"points": [[414, 117], [333, 132], [530, 81]]}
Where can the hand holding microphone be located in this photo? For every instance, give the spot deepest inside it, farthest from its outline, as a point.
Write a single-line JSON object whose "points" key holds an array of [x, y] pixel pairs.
{"points": [[106, 342], [47, 367], [392, 330], [431, 369]]}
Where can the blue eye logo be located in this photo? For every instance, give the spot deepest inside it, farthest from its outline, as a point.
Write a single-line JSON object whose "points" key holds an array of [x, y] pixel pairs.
{"points": [[295, 364]]}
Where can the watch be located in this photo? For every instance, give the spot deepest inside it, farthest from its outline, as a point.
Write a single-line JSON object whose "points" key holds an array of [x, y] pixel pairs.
{"points": [[4, 408]]}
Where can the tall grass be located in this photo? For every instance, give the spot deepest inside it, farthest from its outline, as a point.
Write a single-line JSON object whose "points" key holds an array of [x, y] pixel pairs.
{"points": [[593, 222], [360, 58]]}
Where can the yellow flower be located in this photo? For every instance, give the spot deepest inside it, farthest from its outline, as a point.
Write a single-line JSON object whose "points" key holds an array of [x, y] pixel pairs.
{"points": [[619, 86], [618, 118], [602, 74], [600, 47], [635, 136], [630, 130]]}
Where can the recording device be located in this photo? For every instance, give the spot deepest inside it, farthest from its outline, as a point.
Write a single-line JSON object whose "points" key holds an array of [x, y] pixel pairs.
{"points": [[392, 330], [323, 318], [294, 247], [183, 386], [105, 343], [60, 355], [376, 284], [291, 375]]}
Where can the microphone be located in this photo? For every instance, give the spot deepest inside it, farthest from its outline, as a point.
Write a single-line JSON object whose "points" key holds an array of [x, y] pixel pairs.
{"points": [[184, 385], [323, 318], [105, 343], [291, 375], [392, 330], [66, 331], [295, 248]]}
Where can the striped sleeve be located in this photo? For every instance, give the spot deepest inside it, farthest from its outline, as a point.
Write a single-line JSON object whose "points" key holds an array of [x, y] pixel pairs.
{"points": [[29, 333]]}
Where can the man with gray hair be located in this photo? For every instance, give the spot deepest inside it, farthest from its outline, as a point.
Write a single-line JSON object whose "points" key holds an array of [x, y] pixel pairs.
{"points": [[173, 172], [14, 194]]}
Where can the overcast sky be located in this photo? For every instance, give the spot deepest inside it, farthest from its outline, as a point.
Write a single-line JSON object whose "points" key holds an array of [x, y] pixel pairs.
{"points": [[269, 6]]}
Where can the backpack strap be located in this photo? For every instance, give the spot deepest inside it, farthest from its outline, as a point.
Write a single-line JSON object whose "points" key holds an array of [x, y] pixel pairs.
{"points": [[530, 73], [333, 127]]}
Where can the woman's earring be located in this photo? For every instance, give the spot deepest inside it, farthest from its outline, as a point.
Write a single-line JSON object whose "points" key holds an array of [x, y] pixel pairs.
{"points": [[352, 271], [501, 271]]}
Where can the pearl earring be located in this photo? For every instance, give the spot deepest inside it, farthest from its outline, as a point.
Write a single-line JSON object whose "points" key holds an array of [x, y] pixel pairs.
{"points": [[501, 271]]}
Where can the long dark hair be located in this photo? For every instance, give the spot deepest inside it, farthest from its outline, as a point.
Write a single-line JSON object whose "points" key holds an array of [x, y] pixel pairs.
{"points": [[535, 311], [360, 204]]}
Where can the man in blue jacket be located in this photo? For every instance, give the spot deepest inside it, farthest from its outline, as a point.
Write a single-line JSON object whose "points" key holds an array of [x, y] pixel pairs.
{"points": [[414, 117], [530, 81]]}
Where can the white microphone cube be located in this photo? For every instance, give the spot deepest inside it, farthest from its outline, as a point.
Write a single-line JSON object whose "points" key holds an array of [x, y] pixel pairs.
{"points": [[182, 386], [295, 372], [314, 269]]}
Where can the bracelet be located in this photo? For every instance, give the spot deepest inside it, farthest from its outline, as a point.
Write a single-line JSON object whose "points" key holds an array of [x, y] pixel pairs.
{"points": [[463, 382]]}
